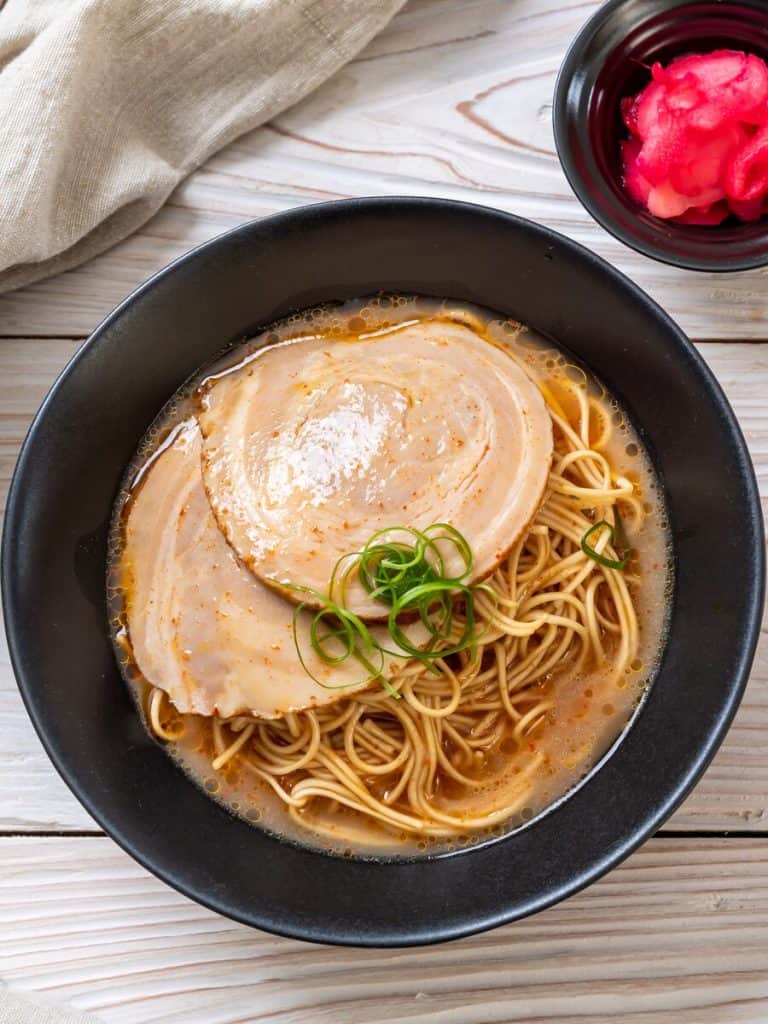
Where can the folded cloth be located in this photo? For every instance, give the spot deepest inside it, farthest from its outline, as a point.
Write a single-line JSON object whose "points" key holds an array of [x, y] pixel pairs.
{"points": [[106, 104], [16, 1008]]}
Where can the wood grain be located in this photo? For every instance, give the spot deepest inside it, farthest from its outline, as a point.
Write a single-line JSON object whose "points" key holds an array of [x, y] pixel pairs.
{"points": [[32, 792], [679, 932], [483, 72], [732, 795], [28, 367], [453, 100]]}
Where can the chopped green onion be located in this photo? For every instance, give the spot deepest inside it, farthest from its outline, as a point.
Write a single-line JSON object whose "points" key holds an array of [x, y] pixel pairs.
{"points": [[409, 574], [618, 539], [351, 636], [623, 548]]}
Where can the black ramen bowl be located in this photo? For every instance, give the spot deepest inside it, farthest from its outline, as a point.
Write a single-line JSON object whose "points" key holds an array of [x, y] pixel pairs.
{"points": [[610, 59], [91, 422]]}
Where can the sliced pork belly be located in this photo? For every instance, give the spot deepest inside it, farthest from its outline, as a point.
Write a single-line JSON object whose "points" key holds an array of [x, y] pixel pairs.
{"points": [[200, 625], [312, 445]]}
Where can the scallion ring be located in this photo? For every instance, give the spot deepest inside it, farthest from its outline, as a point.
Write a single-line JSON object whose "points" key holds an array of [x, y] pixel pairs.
{"points": [[404, 568], [620, 545]]}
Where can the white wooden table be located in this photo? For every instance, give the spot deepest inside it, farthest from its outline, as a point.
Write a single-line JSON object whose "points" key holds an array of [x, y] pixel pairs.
{"points": [[452, 100]]}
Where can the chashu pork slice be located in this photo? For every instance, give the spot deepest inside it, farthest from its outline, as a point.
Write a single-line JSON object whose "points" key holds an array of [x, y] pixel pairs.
{"points": [[313, 445], [200, 625]]}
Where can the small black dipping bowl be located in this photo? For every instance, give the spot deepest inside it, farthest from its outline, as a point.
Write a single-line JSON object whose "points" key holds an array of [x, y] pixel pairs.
{"points": [[610, 59], [60, 502]]}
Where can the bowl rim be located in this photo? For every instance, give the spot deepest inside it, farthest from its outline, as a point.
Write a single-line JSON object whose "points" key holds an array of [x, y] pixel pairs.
{"points": [[446, 930], [571, 72]]}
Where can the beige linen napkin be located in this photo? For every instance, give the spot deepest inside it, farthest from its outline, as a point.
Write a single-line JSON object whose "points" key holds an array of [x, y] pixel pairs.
{"points": [[106, 104]]}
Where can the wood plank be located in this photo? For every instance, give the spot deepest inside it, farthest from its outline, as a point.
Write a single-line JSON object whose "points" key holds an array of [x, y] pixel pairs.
{"points": [[483, 71], [32, 792], [732, 795], [734, 791], [680, 931], [28, 368]]}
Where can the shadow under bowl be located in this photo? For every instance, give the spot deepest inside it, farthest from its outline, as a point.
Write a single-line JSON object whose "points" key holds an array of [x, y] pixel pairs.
{"points": [[609, 60], [70, 468]]}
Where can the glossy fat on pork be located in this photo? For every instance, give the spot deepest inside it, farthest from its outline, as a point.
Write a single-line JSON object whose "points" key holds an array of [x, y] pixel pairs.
{"points": [[200, 625], [313, 445]]}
